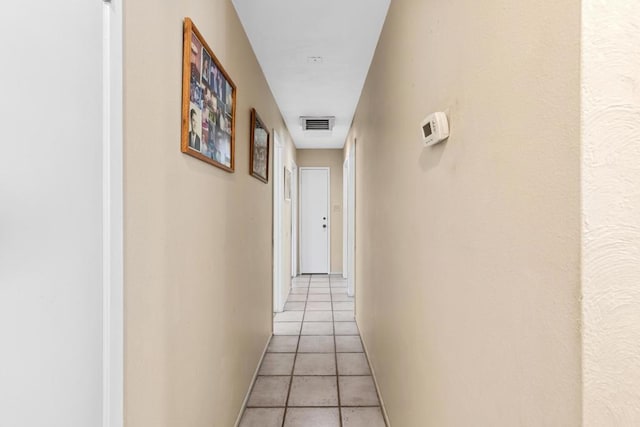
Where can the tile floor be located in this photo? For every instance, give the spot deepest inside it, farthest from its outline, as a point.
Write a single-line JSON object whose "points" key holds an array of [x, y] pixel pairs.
{"points": [[315, 373]]}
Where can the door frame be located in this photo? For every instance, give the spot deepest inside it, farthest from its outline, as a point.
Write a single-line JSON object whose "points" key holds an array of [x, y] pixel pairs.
{"points": [[113, 216], [328, 169], [350, 220], [345, 217], [278, 205], [294, 219]]}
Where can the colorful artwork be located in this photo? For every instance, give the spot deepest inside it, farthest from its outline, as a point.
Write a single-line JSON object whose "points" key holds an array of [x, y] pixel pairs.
{"points": [[259, 148], [208, 105]]}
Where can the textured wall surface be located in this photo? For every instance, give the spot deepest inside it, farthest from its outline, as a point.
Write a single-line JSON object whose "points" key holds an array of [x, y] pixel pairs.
{"points": [[333, 159], [468, 253], [198, 257], [611, 205]]}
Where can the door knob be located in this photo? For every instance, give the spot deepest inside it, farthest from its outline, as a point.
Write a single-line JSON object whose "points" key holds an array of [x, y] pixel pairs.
{"points": [[324, 225], [324, 218]]}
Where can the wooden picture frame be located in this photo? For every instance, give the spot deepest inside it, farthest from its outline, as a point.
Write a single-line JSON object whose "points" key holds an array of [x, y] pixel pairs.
{"points": [[259, 148], [287, 184], [208, 103]]}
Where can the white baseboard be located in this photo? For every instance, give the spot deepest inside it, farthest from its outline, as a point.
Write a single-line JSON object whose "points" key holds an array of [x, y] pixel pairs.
{"points": [[253, 380], [375, 382]]}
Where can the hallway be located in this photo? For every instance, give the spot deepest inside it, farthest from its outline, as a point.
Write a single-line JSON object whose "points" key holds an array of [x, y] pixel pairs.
{"points": [[315, 372], [471, 169]]}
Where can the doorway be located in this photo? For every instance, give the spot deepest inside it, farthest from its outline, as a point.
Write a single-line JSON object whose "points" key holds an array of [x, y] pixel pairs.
{"points": [[315, 225]]}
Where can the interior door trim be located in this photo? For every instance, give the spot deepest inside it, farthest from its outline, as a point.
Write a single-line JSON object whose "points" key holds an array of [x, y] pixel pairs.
{"points": [[113, 216]]}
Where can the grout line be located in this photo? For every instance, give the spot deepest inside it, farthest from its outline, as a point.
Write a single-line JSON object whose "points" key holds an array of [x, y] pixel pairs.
{"points": [[335, 354], [295, 358], [315, 407], [316, 375], [311, 375]]}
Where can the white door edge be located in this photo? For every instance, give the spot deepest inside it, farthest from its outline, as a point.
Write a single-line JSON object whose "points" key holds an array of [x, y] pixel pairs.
{"points": [[328, 220], [294, 220], [351, 243], [345, 217], [278, 190], [112, 250]]}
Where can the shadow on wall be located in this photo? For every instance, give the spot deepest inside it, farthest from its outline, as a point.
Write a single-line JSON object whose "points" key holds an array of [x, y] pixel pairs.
{"points": [[431, 156]]}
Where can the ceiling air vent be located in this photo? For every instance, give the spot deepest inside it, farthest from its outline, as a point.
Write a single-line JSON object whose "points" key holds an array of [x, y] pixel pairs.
{"points": [[317, 123]]}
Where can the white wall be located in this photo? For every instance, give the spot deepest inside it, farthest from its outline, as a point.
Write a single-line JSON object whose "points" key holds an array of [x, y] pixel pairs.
{"points": [[611, 212], [51, 214]]}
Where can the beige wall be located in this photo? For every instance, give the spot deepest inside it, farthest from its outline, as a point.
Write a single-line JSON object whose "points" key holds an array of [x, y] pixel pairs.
{"points": [[611, 223], [197, 239], [333, 159], [468, 253]]}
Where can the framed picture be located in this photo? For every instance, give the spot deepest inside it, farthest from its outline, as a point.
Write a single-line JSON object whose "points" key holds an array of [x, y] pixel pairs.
{"points": [[259, 148], [208, 103], [287, 184]]}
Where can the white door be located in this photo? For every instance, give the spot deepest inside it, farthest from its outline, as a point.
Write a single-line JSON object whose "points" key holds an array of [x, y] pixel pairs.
{"points": [[60, 226], [314, 220]]}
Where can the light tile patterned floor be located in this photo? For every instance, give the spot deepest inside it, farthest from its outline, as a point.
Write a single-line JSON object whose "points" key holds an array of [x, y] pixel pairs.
{"points": [[315, 373]]}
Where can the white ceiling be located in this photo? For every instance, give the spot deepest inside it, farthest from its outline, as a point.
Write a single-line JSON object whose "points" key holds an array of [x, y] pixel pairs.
{"points": [[286, 33]]}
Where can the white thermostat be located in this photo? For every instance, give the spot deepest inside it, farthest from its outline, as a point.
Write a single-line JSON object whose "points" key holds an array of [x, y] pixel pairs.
{"points": [[435, 128]]}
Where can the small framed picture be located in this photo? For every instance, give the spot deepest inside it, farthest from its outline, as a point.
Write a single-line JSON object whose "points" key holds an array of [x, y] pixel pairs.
{"points": [[259, 148], [208, 103]]}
